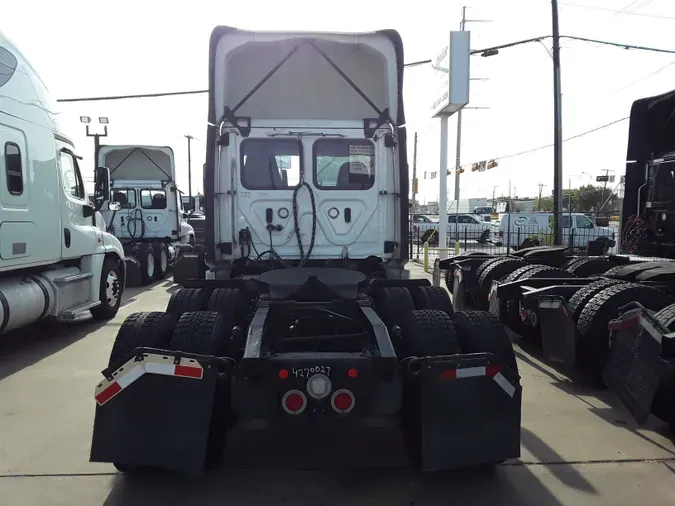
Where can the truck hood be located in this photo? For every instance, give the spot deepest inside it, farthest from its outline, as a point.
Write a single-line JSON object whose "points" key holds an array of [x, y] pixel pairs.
{"points": [[310, 75], [155, 163]]}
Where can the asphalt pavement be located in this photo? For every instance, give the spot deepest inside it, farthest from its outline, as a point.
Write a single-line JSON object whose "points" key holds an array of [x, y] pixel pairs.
{"points": [[579, 446]]}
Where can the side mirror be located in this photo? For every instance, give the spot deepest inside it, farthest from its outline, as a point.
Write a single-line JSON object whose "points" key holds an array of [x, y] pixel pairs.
{"points": [[114, 206], [189, 204], [101, 186]]}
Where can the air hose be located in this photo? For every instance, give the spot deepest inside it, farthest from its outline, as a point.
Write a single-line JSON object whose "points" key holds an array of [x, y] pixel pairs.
{"points": [[296, 220], [135, 216]]}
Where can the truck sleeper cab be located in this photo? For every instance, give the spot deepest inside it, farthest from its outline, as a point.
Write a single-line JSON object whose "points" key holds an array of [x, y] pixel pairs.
{"points": [[151, 222], [55, 260]]}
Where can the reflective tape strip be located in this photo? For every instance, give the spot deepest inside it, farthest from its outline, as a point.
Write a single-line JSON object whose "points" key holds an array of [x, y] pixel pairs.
{"points": [[470, 372], [151, 364], [549, 304], [505, 384]]}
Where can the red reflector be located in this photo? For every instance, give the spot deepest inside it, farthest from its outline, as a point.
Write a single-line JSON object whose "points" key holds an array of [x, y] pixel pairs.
{"points": [[492, 370], [294, 402], [188, 372], [343, 401], [624, 324], [449, 374], [108, 393], [352, 373], [283, 374]]}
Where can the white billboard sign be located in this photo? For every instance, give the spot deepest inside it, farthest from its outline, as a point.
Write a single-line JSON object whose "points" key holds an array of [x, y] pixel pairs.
{"points": [[451, 67]]}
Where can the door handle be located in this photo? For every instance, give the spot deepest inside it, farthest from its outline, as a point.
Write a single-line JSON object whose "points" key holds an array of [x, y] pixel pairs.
{"points": [[348, 214], [66, 237]]}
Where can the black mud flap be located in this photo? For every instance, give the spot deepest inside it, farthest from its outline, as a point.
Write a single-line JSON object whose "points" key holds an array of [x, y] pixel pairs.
{"points": [[133, 272], [635, 365], [558, 330], [155, 410], [471, 407], [493, 299]]}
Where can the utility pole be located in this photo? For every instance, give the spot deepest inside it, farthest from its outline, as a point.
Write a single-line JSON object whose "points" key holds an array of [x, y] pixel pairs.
{"points": [[557, 130], [103, 120], [189, 138], [458, 153], [414, 174], [541, 187], [494, 190]]}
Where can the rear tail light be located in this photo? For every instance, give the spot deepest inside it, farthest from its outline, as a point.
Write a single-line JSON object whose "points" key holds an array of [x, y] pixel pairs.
{"points": [[342, 401], [294, 402]]}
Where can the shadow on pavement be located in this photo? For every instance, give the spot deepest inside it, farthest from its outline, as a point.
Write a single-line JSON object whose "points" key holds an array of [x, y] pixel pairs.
{"points": [[26, 346]]}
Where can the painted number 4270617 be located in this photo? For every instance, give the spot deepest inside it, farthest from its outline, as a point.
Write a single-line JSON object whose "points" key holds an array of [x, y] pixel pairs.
{"points": [[304, 372]]}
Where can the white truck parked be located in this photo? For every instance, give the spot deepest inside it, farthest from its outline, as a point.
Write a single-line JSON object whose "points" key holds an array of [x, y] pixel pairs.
{"points": [[56, 260], [152, 223]]}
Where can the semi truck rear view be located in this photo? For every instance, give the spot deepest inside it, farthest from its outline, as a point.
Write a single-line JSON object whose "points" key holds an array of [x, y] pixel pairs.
{"points": [[307, 317]]}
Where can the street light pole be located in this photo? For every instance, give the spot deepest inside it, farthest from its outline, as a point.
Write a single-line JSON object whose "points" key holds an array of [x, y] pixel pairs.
{"points": [[103, 120], [189, 138]]}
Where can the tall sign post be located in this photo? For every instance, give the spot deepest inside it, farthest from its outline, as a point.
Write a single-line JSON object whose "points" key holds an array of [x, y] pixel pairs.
{"points": [[451, 67]]}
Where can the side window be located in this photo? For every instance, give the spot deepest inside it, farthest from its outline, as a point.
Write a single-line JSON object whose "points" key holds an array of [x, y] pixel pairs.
{"points": [[344, 164], [565, 221], [270, 164], [466, 219], [125, 196], [153, 199], [7, 65], [584, 222], [13, 168], [72, 179]]}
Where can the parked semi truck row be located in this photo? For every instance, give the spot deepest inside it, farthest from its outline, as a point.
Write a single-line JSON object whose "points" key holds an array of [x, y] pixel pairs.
{"points": [[56, 257]]}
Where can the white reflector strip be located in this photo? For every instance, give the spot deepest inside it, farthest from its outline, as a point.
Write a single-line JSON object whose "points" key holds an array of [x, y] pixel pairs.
{"points": [[163, 369], [131, 376], [152, 364], [470, 372], [553, 304], [504, 383]]}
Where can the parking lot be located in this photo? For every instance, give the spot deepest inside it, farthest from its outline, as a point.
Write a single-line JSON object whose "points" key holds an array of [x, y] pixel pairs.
{"points": [[579, 446]]}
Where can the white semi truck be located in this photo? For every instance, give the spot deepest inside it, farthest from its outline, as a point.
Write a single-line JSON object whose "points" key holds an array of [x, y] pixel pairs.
{"points": [[152, 223], [56, 259]]}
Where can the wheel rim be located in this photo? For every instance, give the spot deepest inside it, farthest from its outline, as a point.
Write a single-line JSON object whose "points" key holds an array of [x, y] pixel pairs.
{"points": [[163, 260], [151, 264], [112, 288]]}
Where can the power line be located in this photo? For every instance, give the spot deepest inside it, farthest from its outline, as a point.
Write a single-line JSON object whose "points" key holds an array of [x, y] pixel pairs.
{"points": [[614, 11], [539, 148]]}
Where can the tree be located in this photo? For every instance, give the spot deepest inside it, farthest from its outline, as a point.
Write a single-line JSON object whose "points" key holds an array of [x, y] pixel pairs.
{"points": [[584, 199]]}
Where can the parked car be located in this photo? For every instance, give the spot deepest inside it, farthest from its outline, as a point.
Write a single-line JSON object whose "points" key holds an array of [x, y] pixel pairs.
{"points": [[471, 227]]}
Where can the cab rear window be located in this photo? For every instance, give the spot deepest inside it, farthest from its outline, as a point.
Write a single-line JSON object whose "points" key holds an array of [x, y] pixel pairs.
{"points": [[344, 164]]}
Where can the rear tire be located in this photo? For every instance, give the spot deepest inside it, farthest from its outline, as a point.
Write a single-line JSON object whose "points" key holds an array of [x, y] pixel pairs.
{"points": [[152, 330], [161, 260], [482, 332], [187, 299], [495, 271], [430, 333], [110, 291], [201, 332], [587, 267], [579, 300], [593, 343], [146, 257], [431, 297], [394, 305]]}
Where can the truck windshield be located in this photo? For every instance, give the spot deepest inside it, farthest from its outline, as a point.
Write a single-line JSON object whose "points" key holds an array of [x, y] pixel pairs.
{"points": [[270, 164], [344, 164]]}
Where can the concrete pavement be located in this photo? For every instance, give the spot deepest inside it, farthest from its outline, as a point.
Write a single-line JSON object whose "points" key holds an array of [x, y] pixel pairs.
{"points": [[579, 446]]}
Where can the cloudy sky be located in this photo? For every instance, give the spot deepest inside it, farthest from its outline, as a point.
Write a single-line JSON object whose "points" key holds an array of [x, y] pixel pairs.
{"points": [[84, 48]]}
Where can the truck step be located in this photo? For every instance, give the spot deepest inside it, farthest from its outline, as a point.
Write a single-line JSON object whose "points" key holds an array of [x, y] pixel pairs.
{"points": [[70, 314], [71, 278]]}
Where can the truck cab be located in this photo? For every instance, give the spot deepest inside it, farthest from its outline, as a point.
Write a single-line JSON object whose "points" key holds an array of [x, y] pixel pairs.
{"points": [[151, 222], [55, 260]]}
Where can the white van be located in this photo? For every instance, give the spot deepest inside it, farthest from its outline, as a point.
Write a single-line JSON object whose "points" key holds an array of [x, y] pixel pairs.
{"points": [[532, 229]]}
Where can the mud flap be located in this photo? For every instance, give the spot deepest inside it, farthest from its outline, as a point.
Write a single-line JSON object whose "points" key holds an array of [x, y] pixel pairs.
{"points": [[133, 272], [635, 365], [155, 411], [458, 289], [558, 330], [470, 411]]}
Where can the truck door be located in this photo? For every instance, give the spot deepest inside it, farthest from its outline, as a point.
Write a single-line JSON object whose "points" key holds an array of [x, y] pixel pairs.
{"points": [[159, 212], [78, 235]]}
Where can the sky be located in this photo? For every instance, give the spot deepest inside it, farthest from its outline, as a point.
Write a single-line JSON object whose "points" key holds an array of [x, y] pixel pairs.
{"points": [[85, 49]]}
